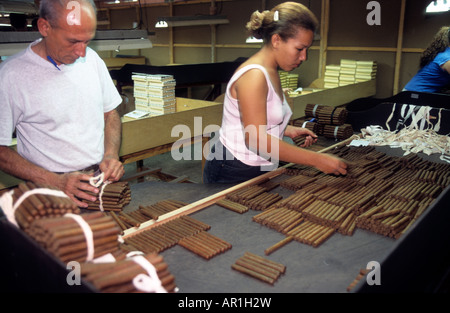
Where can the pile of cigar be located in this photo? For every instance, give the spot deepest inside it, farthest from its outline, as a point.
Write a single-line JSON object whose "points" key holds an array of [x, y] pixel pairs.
{"points": [[204, 244], [231, 205], [118, 277], [381, 193], [38, 206], [65, 239], [280, 219], [145, 213], [254, 197], [165, 235], [115, 197], [258, 267]]}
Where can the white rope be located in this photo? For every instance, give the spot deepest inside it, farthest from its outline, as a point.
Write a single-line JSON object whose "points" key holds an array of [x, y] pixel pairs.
{"points": [[6, 200], [96, 181], [419, 136], [88, 234], [142, 282]]}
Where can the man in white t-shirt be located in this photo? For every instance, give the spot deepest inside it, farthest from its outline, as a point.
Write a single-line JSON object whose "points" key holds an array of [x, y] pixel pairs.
{"points": [[60, 99]]}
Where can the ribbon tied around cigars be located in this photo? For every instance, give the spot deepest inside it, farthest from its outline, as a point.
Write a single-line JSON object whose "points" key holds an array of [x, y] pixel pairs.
{"points": [[88, 234], [142, 282], [6, 200], [96, 181]]}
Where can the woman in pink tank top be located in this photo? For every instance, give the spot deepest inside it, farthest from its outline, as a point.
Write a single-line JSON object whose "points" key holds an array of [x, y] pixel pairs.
{"points": [[256, 114]]}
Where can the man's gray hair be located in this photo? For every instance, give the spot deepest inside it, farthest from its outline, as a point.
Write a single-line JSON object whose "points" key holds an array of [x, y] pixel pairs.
{"points": [[50, 9]]}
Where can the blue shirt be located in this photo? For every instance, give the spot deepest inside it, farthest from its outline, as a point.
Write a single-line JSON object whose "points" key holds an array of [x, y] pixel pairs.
{"points": [[431, 78]]}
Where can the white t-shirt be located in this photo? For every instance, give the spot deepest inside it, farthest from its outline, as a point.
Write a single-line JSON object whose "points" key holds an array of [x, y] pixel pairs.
{"points": [[58, 114]]}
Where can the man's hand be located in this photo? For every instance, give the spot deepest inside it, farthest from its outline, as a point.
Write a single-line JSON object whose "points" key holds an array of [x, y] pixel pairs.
{"points": [[112, 168], [75, 185]]}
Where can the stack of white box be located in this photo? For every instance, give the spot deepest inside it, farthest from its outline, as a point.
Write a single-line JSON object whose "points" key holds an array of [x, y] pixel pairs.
{"points": [[154, 93]]}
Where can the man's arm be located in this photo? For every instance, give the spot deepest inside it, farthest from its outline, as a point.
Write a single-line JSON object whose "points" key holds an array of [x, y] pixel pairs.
{"points": [[73, 184], [111, 165]]}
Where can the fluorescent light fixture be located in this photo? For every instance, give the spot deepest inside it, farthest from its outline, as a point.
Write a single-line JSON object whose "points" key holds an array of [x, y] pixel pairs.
{"points": [[253, 40], [176, 21], [438, 6], [105, 40], [161, 24]]}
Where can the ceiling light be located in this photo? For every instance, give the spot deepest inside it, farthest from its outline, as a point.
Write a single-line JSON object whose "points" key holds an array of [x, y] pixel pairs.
{"points": [[175, 21], [438, 6]]}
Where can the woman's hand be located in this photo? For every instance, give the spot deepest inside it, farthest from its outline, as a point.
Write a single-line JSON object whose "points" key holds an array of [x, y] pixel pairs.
{"points": [[294, 131], [330, 164]]}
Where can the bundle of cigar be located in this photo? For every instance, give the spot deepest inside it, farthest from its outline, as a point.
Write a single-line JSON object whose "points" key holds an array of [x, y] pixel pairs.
{"points": [[258, 267], [311, 125], [233, 206], [326, 214], [38, 206], [279, 218], [297, 182], [204, 244], [298, 200], [339, 132], [165, 235], [117, 277], [65, 238], [326, 114], [145, 213], [154, 211], [262, 201], [244, 194], [311, 233], [115, 197]]}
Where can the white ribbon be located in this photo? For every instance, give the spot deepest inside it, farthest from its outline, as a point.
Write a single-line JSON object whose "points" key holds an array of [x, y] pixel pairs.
{"points": [[88, 234], [6, 200], [143, 282], [96, 182]]}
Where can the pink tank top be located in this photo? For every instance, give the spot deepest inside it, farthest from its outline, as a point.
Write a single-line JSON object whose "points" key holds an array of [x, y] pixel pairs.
{"points": [[232, 129]]}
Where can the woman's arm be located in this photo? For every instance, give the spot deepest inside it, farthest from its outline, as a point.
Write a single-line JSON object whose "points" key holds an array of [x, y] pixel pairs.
{"points": [[251, 91]]}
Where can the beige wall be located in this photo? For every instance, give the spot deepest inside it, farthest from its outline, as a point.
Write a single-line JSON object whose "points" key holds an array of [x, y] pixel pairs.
{"points": [[349, 36]]}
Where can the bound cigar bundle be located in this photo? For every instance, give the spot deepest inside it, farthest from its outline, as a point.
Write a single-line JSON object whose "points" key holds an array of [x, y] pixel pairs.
{"points": [[311, 125], [339, 132], [115, 197], [66, 239], [258, 267], [326, 114], [204, 244], [117, 277], [38, 206]]}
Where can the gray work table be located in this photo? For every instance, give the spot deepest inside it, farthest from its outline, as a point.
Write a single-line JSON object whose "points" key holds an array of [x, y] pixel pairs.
{"points": [[330, 267]]}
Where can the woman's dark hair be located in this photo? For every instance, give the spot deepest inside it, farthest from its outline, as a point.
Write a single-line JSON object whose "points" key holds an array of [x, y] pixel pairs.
{"points": [[440, 42]]}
